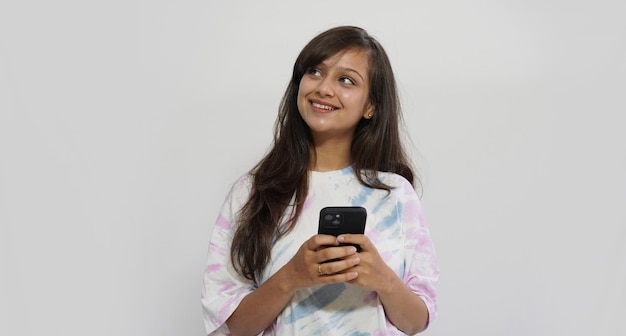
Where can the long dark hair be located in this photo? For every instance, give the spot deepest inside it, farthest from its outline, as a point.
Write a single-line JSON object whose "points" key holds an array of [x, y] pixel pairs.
{"points": [[280, 179]]}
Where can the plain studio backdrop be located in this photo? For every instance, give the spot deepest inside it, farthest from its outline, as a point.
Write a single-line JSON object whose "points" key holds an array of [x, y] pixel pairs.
{"points": [[124, 123]]}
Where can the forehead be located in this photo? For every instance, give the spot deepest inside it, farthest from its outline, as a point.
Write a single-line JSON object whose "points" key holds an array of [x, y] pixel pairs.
{"points": [[351, 59]]}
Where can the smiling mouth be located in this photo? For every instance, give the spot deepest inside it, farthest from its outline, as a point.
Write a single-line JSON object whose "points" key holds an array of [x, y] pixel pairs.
{"points": [[323, 107]]}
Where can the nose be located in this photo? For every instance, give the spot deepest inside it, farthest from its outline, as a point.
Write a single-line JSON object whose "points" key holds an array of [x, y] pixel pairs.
{"points": [[325, 88]]}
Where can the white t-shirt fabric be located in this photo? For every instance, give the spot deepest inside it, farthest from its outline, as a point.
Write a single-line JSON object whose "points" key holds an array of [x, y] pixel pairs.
{"points": [[395, 225]]}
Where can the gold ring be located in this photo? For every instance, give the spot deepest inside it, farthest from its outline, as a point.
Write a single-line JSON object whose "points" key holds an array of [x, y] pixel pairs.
{"points": [[319, 270]]}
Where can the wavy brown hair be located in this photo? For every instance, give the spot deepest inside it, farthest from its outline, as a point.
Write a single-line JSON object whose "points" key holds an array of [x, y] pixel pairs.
{"points": [[280, 179]]}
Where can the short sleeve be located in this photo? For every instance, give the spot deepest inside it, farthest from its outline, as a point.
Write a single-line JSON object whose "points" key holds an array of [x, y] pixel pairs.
{"points": [[421, 270], [223, 288]]}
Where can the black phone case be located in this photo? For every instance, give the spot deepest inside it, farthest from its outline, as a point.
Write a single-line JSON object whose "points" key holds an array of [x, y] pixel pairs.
{"points": [[337, 220]]}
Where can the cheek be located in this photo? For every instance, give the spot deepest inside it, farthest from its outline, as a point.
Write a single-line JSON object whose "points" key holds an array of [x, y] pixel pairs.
{"points": [[355, 101], [300, 90], [305, 87], [301, 98]]}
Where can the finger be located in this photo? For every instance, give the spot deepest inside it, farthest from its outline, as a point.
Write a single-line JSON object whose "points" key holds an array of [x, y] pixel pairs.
{"points": [[317, 241], [337, 277], [338, 266], [358, 239], [320, 271], [335, 252]]}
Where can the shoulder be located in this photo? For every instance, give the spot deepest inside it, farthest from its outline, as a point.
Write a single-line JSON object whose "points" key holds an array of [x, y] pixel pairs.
{"points": [[396, 181], [402, 190], [240, 189], [244, 182]]}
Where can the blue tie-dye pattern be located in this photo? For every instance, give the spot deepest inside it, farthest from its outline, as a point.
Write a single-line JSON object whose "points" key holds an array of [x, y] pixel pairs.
{"points": [[281, 251], [400, 270], [362, 197], [274, 259], [380, 205], [389, 220], [358, 333], [317, 300], [347, 171], [335, 322]]}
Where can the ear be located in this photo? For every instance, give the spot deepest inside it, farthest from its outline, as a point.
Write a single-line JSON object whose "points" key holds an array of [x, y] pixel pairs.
{"points": [[369, 111]]}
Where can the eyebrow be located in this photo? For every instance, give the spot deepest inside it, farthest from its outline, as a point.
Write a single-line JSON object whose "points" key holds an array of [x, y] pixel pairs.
{"points": [[356, 72], [344, 69]]}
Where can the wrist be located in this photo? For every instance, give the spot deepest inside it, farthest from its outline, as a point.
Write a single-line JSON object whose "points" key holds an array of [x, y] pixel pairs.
{"points": [[392, 283], [284, 281]]}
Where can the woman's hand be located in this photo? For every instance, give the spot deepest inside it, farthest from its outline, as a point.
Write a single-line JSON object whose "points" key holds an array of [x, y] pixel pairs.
{"points": [[308, 267], [403, 308], [373, 273]]}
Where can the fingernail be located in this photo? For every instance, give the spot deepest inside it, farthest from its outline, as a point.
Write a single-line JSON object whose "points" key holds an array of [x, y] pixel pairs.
{"points": [[356, 261], [340, 238], [352, 249], [353, 275]]}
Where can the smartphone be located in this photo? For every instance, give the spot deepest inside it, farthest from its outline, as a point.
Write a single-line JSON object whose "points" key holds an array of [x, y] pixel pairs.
{"points": [[343, 219]]}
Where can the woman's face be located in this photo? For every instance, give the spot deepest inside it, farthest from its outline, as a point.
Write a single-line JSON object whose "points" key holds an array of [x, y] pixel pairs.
{"points": [[333, 96]]}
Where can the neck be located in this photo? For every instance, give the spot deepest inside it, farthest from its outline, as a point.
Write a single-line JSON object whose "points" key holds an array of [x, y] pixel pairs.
{"points": [[330, 156]]}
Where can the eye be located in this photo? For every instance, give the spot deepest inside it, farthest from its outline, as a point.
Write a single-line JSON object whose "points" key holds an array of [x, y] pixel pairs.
{"points": [[347, 80], [315, 72]]}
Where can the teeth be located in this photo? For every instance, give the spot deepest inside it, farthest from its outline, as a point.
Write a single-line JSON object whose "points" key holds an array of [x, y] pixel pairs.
{"points": [[325, 107]]}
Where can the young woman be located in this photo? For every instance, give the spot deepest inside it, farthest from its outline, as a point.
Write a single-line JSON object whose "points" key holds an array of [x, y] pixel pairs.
{"points": [[336, 143]]}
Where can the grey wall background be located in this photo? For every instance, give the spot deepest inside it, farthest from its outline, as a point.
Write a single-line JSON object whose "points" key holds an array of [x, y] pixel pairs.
{"points": [[123, 124]]}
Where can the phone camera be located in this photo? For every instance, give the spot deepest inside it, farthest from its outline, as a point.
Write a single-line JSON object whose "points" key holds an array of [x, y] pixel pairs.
{"points": [[333, 219]]}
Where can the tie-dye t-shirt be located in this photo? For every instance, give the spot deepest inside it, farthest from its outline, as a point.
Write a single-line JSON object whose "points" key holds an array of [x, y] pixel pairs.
{"points": [[395, 225]]}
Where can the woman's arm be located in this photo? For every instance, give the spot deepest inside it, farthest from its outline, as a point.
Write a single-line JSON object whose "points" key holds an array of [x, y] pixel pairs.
{"points": [[259, 309], [404, 309]]}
